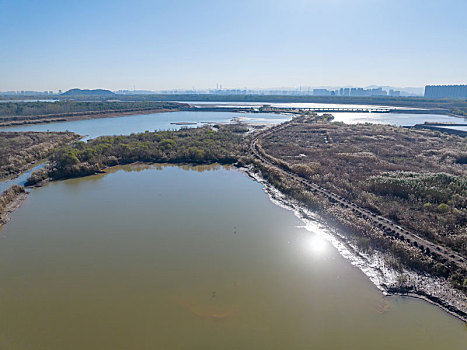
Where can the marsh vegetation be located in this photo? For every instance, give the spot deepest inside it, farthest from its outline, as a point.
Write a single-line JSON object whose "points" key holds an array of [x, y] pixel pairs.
{"points": [[19, 150], [415, 178], [7, 198], [220, 144]]}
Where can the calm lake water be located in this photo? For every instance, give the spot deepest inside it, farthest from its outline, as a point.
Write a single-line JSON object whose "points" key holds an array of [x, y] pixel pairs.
{"points": [[162, 121], [26, 101], [288, 105], [399, 119], [139, 123], [165, 257]]}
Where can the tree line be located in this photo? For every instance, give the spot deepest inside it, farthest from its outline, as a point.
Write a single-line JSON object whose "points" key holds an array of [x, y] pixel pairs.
{"points": [[221, 144]]}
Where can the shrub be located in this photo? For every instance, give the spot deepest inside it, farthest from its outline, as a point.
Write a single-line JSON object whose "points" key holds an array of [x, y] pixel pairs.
{"points": [[443, 208]]}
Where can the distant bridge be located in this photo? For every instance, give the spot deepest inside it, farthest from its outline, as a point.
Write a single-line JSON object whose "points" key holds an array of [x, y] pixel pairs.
{"points": [[283, 109], [361, 110], [296, 110]]}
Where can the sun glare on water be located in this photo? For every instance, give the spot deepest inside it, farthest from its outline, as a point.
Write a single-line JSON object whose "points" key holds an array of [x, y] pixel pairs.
{"points": [[315, 244]]}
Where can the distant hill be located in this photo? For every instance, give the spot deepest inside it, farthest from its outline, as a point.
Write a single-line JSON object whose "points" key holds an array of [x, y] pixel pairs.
{"points": [[85, 92]]}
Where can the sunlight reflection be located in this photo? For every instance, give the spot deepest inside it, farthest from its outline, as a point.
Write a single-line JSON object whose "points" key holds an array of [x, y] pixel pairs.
{"points": [[315, 244]]}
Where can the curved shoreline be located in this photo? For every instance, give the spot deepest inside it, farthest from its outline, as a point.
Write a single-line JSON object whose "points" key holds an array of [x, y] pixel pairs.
{"points": [[383, 277], [68, 117]]}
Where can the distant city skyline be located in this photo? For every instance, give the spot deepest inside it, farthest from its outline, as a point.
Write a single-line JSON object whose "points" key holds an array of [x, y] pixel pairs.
{"points": [[302, 90], [268, 44]]}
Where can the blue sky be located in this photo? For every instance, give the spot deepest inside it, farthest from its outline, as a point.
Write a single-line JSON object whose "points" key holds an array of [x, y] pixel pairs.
{"points": [[52, 44]]}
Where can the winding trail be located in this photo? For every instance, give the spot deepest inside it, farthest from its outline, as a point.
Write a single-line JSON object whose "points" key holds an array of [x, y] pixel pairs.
{"points": [[391, 229]]}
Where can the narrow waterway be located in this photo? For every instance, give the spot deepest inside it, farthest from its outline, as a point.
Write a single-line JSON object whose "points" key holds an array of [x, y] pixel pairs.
{"points": [[19, 180], [167, 257]]}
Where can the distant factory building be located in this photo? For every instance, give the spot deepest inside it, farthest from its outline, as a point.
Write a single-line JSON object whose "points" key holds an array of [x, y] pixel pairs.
{"points": [[446, 91]]}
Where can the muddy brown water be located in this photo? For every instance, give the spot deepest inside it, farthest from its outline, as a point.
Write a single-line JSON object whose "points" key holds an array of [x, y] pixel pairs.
{"points": [[167, 257]]}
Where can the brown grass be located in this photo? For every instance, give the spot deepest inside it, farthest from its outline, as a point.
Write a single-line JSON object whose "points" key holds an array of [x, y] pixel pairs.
{"points": [[414, 177]]}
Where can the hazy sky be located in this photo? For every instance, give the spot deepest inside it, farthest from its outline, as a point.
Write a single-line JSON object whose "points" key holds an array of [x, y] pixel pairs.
{"points": [[117, 44]]}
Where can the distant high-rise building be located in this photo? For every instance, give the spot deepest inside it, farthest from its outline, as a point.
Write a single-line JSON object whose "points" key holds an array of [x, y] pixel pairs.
{"points": [[375, 92], [321, 92], [446, 91], [357, 92]]}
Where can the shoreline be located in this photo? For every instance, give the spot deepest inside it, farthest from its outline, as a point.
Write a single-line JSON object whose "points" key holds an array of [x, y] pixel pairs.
{"points": [[241, 109], [15, 203], [371, 265], [24, 170], [85, 116], [438, 293]]}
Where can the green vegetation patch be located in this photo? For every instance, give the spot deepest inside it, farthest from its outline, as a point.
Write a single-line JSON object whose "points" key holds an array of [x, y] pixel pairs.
{"points": [[221, 144]]}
